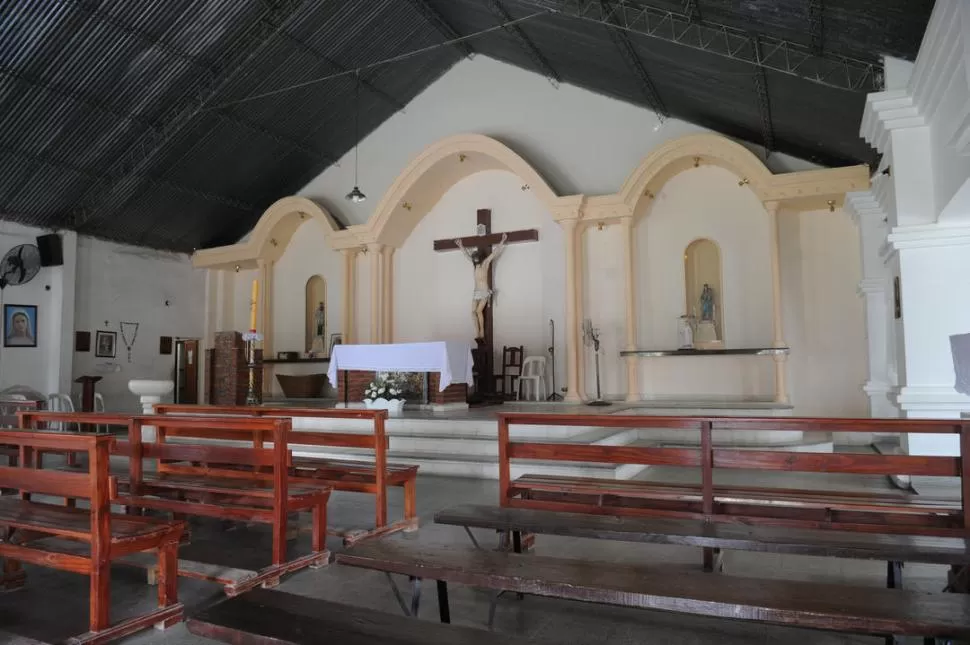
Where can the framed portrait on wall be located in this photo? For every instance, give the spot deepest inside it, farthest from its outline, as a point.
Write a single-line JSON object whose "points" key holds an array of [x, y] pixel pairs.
{"points": [[104, 344], [20, 325], [335, 339]]}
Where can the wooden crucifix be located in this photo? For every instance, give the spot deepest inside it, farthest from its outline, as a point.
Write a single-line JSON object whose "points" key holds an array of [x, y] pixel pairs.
{"points": [[485, 253]]}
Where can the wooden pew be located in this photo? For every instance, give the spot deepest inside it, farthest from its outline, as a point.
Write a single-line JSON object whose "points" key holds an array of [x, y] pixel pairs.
{"points": [[262, 617], [47, 535], [864, 610], [249, 484], [869, 512], [8, 419], [83, 421], [344, 475]]}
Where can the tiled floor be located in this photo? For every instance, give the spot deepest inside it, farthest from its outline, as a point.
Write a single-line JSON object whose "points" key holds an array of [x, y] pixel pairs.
{"points": [[53, 605]]}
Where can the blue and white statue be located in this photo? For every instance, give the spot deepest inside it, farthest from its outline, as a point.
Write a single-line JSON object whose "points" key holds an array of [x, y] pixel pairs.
{"points": [[707, 303]]}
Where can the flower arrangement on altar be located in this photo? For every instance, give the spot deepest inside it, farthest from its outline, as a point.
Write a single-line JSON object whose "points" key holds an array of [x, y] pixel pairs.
{"points": [[386, 392]]}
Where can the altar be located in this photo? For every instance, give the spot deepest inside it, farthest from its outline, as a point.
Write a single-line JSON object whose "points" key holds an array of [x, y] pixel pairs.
{"points": [[446, 366]]}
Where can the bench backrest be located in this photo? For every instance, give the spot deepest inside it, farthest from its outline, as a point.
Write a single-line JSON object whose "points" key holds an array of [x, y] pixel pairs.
{"points": [[377, 441], [706, 457], [95, 484], [9, 409], [40, 419], [203, 457]]}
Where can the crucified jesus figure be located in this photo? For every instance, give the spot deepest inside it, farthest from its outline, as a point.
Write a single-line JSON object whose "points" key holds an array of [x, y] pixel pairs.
{"points": [[482, 294]]}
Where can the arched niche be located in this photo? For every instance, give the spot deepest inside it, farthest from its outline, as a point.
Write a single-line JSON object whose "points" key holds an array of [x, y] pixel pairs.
{"points": [[316, 314], [702, 267]]}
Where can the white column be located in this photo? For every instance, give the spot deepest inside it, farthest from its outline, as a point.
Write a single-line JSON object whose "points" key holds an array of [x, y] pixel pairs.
{"points": [[777, 322], [876, 291], [632, 362], [63, 282], [924, 135], [388, 300], [573, 355], [350, 294], [375, 251]]}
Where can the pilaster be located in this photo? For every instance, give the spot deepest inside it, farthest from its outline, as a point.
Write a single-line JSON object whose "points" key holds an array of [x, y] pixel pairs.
{"points": [[777, 322], [266, 304], [375, 252], [572, 310], [629, 264], [876, 290], [350, 294], [387, 305]]}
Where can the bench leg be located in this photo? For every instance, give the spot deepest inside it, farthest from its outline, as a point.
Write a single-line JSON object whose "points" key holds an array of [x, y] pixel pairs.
{"points": [[444, 611], [318, 535], [712, 560], [411, 502], [415, 596], [100, 599], [168, 574], [894, 574]]}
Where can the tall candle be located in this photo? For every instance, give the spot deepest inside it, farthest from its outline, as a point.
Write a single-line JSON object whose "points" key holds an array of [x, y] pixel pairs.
{"points": [[252, 306]]}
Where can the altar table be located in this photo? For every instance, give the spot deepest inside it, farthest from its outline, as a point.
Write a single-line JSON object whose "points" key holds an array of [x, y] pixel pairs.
{"points": [[448, 364]]}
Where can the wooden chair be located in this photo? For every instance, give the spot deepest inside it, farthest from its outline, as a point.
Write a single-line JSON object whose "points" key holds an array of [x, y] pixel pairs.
{"points": [[82, 540], [512, 362]]}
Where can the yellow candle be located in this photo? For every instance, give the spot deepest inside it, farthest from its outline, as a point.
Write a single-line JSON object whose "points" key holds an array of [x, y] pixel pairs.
{"points": [[252, 306]]}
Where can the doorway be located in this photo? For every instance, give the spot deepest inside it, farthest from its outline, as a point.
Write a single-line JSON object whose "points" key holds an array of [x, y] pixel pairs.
{"points": [[187, 370]]}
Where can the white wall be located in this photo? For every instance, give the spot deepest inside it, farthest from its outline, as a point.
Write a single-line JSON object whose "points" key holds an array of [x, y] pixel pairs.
{"points": [[40, 368], [433, 290], [117, 283], [553, 129], [579, 141], [308, 254]]}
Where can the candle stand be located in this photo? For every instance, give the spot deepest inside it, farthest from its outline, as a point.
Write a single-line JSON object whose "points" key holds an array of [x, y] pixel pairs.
{"points": [[253, 396]]}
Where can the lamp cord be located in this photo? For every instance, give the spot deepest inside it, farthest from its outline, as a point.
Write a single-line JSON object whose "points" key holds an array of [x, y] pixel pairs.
{"points": [[356, 125]]}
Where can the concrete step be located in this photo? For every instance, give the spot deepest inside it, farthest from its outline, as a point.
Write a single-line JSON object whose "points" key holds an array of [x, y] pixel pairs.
{"points": [[806, 442]]}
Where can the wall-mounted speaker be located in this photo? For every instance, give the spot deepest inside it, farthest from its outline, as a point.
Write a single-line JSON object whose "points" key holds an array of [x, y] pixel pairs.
{"points": [[51, 250]]}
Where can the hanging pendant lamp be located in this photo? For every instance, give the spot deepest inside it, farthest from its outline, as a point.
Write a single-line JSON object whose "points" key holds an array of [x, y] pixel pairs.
{"points": [[356, 195]]}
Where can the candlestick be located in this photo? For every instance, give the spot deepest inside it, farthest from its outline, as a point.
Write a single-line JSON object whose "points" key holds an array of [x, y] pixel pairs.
{"points": [[252, 306]]}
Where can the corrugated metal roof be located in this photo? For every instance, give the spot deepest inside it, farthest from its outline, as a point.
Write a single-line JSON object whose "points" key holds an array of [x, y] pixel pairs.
{"points": [[109, 110]]}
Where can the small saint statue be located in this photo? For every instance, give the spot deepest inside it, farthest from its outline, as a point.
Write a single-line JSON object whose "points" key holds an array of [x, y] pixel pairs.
{"points": [[482, 294], [318, 344], [707, 303]]}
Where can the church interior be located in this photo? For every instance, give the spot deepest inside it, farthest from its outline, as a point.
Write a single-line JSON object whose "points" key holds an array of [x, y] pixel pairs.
{"points": [[626, 321]]}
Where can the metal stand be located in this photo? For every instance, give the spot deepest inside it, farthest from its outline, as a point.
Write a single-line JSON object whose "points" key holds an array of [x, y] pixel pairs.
{"points": [[253, 395], [599, 398], [555, 396]]}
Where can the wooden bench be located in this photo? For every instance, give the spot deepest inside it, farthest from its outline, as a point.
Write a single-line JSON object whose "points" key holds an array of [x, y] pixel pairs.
{"points": [[250, 484], [43, 534], [869, 512], [8, 419], [864, 610], [342, 474], [262, 617], [81, 421]]}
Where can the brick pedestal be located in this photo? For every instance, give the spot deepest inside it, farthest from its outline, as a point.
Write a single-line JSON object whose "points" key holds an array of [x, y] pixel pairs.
{"points": [[230, 370], [356, 383]]}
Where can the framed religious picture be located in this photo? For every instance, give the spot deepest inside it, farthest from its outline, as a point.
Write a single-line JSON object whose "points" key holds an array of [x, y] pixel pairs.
{"points": [[335, 339], [104, 344], [20, 325]]}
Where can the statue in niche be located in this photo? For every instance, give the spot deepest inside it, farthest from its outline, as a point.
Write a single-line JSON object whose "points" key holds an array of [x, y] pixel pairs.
{"points": [[707, 303], [318, 346]]}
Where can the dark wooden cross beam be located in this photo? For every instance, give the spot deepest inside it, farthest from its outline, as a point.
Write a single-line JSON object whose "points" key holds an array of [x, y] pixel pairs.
{"points": [[484, 242]]}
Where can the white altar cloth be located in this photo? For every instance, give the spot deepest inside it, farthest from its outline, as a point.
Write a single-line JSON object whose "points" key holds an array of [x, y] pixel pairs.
{"points": [[453, 360]]}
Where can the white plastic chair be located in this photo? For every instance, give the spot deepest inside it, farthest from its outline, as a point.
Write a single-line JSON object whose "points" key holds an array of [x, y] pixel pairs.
{"points": [[533, 373], [60, 403]]}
